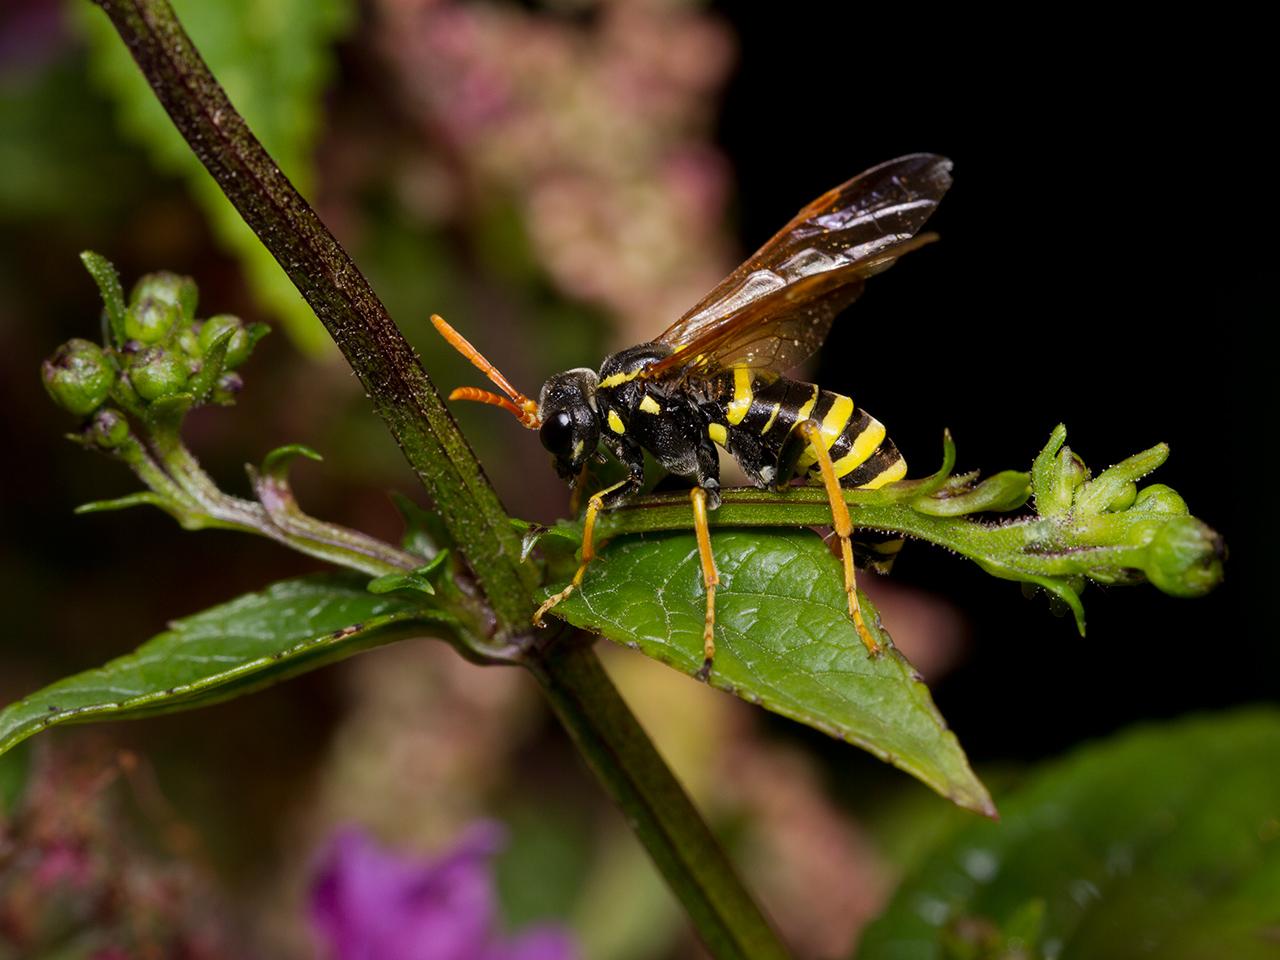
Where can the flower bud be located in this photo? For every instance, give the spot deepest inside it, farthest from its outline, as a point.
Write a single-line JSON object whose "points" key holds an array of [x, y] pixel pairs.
{"points": [[1185, 557], [228, 386], [150, 319], [157, 372], [1125, 499], [1068, 472], [78, 376], [1158, 498], [108, 428], [189, 343], [239, 346], [170, 288]]}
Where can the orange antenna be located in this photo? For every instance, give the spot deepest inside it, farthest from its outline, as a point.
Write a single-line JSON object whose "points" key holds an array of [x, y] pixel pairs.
{"points": [[524, 409]]}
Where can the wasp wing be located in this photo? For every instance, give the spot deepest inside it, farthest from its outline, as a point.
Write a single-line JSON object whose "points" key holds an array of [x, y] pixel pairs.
{"points": [[777, 307]]}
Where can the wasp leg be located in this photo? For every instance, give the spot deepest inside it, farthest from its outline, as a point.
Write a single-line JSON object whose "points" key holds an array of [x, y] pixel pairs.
{"points": [[594, 506], [812, 433], [710, 578]]}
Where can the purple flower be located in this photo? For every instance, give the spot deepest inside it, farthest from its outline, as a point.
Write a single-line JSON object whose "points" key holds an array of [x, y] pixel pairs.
{"points": [[369, 903]]}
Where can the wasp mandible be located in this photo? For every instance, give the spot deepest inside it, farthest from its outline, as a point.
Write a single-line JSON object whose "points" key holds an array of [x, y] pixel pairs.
{"points": [[715, 377]]}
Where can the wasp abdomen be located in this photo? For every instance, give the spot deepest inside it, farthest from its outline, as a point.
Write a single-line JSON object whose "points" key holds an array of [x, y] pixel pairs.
{"points": [[752, 416]]}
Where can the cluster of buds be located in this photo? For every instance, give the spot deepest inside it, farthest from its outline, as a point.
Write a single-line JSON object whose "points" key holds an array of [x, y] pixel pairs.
{"points": [[157, 361], [154, 349], [1118, 529]]}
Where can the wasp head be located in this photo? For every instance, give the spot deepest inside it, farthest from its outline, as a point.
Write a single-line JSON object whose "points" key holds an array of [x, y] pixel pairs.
{"points": [[570, 427]]}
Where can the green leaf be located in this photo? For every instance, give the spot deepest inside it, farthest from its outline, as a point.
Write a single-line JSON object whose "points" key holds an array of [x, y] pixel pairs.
{"points": [[1163, 842], [274, 60], [255, 640], [783, 640], [108, 281], [425, 534], [413, 581]]}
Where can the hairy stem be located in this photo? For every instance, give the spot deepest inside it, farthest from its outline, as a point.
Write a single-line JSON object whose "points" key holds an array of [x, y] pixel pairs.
{"points": [[621, 754], [1025, 544]]}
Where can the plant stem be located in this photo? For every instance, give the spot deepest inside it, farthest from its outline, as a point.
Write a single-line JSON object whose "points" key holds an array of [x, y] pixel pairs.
{"points": [[1035, 546], [341, 297], [623, 757], [616, 747]]}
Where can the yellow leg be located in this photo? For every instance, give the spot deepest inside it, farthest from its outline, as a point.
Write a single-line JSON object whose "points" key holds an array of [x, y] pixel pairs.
{"points": [[812, 433], [594, 506], [710, 578]]}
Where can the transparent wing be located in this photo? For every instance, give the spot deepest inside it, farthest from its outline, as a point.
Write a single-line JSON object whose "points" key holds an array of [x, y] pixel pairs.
{"points": [[791, 289]]}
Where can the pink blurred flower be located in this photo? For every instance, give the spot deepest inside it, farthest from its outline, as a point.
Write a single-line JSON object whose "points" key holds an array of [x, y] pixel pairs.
{"points": [[369, 903], [599, 129]]}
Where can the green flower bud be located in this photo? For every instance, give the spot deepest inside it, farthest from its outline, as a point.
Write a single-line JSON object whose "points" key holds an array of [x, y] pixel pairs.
{"points": [[229, 385], [157, 372], [1159, 498], [78, 376], [1125, 500], [108, 428], [239, 347], [1185, 557], [188, 342], [1068, 472], [150, 320], [170, 288]]}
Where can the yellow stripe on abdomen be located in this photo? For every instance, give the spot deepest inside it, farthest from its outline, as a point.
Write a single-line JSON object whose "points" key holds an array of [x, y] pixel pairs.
{"points": [[741, 402], [866, 443], [804, 411], [833, 425], [895, 471], [773, 418]]}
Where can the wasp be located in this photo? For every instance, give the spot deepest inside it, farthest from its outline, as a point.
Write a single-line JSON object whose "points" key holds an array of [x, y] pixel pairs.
{"points": [[715, 378]]}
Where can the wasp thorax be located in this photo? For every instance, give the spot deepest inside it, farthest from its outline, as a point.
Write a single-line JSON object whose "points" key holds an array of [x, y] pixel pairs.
{"points": [[570, 429]]}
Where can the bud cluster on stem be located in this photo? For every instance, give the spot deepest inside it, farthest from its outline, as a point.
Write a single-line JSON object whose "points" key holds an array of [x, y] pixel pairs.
{"points": [[157, 362]]}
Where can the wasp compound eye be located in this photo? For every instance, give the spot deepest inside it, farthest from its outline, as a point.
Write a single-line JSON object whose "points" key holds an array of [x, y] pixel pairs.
{"points": [[557, 433]]}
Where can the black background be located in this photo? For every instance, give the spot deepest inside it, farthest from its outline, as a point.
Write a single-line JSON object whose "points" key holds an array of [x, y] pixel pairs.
{"points": [[1102, 264]]}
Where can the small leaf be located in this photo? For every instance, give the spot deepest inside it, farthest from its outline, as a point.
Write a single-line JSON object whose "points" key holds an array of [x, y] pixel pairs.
{"points": [[1163, 842], [929, 485], [1061, 588], [784, 641], [143, 498], [276, 463], [1001, 493], [165, 415], [108, 280], [414, 581], [215, 360], [255, 640], [271, 482], [425, 534], [1044, 473]]}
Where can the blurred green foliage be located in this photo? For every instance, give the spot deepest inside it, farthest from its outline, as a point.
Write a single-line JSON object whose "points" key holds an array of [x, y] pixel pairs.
{"points": [[274, 59], [1161, 842], [45, 173]]}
